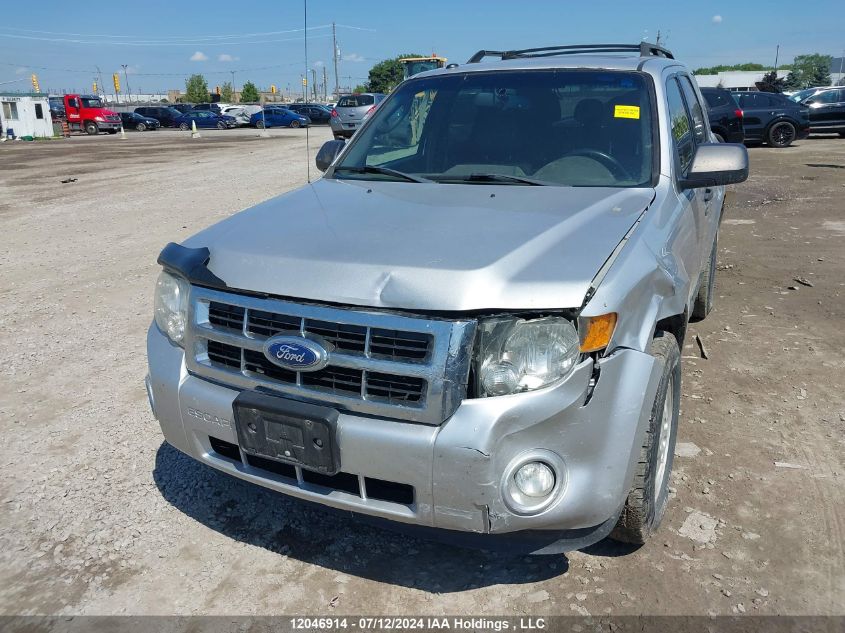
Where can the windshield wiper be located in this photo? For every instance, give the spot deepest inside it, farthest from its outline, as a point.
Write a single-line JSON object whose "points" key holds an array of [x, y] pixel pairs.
{"points": [[505, 178], [386, 171]]}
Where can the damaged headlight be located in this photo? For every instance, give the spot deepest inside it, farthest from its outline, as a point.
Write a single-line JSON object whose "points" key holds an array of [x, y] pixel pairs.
{"points": [[171, 306], [516, 355]]}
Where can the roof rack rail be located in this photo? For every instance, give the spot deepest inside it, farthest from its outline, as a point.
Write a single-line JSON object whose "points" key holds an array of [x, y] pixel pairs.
{"points": [[645, 49]]}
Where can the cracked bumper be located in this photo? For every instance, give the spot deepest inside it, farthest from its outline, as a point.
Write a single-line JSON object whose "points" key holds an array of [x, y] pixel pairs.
{"points": [[455, 469]]}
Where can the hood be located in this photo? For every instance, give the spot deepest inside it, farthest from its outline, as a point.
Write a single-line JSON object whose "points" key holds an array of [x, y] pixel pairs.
{"points": [[444, 247]]}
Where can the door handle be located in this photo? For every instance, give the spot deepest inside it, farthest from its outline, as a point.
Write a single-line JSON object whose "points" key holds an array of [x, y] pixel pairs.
{"points": [[709, 194]]}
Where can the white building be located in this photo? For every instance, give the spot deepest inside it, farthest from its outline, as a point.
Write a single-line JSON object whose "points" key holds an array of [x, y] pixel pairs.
{"points": [[735, 79], [25, 114]]}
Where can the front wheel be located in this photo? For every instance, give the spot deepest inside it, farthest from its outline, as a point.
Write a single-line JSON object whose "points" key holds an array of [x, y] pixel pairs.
{"points": [[781, 134], [646, 503], [260, 125], [91, 128], [140, 127], [221, 125], [295, 124], [184, 127]]}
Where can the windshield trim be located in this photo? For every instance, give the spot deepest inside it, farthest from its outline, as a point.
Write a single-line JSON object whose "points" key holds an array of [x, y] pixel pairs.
{"points": [[648, 81]]}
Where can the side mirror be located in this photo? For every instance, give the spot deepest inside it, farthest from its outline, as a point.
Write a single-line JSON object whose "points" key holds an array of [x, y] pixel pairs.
{"points": [[328, 152], [717, 164], [809, 101]]}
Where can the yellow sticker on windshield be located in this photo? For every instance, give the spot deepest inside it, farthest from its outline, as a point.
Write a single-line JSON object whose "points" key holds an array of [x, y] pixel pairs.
{"points": [[626, 112]]}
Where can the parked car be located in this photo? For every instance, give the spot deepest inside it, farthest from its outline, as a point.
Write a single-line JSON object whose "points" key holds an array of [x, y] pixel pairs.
{"points": [[205, 119], [724, 114], [238, 112], [467, 327], [135, 121], [57, 107], [165, 115], [348, 115], [772, 118], [217, 108], [183, 107], [316, 112], [277, 116], [827, 110]]}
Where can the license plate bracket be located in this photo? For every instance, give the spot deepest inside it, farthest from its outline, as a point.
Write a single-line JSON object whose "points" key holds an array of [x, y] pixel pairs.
{"points": [[296, 433]]}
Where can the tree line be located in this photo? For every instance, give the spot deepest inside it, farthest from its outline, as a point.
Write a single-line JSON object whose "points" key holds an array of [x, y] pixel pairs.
{"points": [[196, 91], [805, 71]]}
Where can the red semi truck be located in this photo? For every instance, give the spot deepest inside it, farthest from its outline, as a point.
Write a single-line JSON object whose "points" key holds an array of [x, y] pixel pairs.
{"points": [[85, 113]]}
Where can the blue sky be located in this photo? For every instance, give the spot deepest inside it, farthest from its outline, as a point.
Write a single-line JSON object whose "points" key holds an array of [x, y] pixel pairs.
{"points": [[163, 42]]}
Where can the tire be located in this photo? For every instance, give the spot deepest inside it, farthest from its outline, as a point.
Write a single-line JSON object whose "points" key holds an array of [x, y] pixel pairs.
{"points": [[140, 127], [112, 131], [703, 303], [221, 125], [259, 125], [295, 124], [719, 138], [841, 134], [781, 134], [184, 127], [646, 503], [91, 128]]}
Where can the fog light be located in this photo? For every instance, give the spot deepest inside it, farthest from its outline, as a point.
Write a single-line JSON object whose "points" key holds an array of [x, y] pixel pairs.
{"points": [[499, 379], [535, 479]]}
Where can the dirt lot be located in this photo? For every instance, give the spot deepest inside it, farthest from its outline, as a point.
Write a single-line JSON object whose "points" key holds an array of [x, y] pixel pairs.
{"points": [[98, 516]]}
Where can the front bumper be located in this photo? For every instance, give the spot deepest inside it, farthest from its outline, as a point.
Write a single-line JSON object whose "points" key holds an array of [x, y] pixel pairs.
{"points": [[108, 125], [455, 469]]}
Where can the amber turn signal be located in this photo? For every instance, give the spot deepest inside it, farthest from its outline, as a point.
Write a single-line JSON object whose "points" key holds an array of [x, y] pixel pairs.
{"points": [[599, 330]]}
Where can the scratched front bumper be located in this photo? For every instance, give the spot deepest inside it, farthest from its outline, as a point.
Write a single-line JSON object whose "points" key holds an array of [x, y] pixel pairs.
{"points": [[456, 468]]}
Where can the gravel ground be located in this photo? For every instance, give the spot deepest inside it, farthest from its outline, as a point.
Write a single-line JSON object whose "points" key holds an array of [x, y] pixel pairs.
{"points": [[99, 516]]}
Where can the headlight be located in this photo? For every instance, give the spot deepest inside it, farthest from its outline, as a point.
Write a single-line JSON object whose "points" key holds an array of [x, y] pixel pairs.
{"points": [[516, 355], [171, 306]]}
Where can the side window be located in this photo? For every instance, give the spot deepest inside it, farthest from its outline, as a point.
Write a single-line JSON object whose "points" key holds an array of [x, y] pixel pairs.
{"points": [[39, 112], [680, 125], [699, 127]]}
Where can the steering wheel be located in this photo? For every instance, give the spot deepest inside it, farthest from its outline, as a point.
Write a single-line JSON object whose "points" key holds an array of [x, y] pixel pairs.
{"points": [[606, 160]]}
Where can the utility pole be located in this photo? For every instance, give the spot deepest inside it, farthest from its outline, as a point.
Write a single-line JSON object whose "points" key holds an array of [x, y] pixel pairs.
{"points": [[128, 89], [314, 82], [777, 54], [334, 57], [325, 86], [234, 96], [658, 38], [100, 82]]}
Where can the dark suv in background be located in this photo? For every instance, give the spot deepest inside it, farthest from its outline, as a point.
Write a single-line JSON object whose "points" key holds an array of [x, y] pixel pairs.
{"points": [[772, 118], [827, 110], [724, 114], [163, 114]]}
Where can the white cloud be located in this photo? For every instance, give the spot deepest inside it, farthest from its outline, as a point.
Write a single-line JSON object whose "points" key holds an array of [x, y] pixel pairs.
{"points": [[21, 71], [717, 19], [225, 57], [353, 57], [199, 56]]}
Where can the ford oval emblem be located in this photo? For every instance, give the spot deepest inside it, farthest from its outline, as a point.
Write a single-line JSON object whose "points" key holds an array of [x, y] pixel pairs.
{"points": [[296, 353]]}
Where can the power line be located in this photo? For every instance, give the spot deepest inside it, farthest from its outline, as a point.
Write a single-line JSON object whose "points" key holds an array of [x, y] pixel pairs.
{"points": [[147, 42]]}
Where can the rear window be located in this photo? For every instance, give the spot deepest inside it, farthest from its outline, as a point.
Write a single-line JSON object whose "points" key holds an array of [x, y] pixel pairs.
{"points": [[355, 101], [716, 99]]}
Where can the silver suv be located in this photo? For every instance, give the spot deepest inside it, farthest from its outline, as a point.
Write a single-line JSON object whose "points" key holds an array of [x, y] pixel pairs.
{"points": [[350, 112], [470, 326]]}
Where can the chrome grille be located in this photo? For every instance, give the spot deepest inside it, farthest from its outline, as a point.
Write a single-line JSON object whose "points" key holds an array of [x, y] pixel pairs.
{"points": [[380, 363]]}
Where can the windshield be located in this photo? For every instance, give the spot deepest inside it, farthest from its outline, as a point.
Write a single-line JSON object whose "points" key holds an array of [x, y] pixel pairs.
{"points": [[575, 128], [91, 102], [799, 96]]}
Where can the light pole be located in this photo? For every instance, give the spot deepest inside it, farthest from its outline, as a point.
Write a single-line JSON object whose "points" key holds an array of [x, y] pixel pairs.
{"points": [[128, 89], [233, 86]]}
